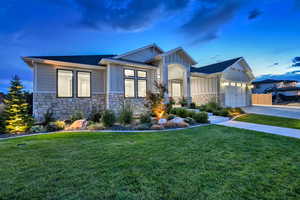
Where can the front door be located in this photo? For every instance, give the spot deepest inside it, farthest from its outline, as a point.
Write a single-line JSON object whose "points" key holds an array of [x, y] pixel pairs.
{"points": [[176, 89]]}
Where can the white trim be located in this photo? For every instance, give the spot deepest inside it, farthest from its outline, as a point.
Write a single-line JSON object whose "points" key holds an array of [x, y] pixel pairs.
{"points": [[61, 63], [139, 49], [174, 51], [106, 61], [107, 85], [35, 77]]}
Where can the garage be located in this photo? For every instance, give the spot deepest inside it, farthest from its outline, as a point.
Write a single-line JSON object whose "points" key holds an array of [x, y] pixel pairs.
{"points": [[235, 95]]}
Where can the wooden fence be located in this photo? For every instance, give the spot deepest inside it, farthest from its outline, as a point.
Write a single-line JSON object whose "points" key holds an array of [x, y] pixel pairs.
{"points": [[262, 99]]}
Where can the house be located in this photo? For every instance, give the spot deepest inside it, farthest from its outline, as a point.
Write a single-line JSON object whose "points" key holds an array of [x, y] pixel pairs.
{"points": [[264, 86], [87, 82]]}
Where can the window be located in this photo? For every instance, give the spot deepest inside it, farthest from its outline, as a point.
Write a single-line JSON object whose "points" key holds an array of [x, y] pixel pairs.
{"points": [[135, 83], [83, 84], [142, 88], [64, 83]]}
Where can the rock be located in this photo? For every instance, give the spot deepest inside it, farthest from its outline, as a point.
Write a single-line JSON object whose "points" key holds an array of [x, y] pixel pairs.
{"points": [[177, 120], [182, 125], [156, 127], [170, 125], [78, 125], [162, 121]]}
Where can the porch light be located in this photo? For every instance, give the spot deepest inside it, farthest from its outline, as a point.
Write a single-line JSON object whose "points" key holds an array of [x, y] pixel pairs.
{"points": [[244, 85], [232, 83], [250, 86], [238, 84], [225, 83]]}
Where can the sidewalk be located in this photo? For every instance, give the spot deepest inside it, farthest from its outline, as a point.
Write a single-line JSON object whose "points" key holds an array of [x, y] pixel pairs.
{"points": [[289, 132]]}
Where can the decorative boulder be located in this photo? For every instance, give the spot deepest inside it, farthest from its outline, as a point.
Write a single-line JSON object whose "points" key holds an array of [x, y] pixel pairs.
{"points": [[177, 120], [156, 127], [162, 121], [182, 125], [78, 125]]}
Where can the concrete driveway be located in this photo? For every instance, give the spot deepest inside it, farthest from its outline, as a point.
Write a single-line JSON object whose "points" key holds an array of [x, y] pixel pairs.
{"points": [[293, 112]]}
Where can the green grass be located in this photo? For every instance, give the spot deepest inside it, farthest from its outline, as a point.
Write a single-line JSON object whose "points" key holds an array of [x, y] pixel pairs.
{"points": [[211, 162], [270, 120]]}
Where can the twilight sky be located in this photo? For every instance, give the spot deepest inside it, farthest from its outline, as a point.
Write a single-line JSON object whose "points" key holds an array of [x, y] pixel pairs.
{"points": [[265, 32]]}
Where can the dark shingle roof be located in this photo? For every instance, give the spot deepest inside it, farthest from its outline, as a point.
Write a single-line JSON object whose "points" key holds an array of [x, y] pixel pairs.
{"points": [[215, 68], [273, 81], [83, 59]]}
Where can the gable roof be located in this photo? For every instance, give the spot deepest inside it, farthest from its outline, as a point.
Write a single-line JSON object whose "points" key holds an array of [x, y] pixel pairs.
{"points": [[216, 67], [80, 59], [193, 62], [139, 49]]}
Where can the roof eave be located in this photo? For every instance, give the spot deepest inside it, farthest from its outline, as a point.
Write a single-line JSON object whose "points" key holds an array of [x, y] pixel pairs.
{"points": [[31, 61], [106, 61]]}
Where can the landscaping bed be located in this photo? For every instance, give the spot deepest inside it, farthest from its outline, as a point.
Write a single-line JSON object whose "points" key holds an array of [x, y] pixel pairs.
{"points": [[270, 120], [211, 162]]}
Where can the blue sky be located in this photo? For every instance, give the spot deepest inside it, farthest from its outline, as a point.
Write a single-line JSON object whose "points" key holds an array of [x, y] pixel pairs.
{"points": [[265, 32]]}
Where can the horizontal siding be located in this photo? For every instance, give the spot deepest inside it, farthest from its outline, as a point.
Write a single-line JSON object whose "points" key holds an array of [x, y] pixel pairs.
{"points": [[46, 78]]}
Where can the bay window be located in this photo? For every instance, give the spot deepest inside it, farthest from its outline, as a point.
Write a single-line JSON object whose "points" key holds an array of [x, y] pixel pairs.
{"points": [[83, 84], [64, 83], [135, 83]]}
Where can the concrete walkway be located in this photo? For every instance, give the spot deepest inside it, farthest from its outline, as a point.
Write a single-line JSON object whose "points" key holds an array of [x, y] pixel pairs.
{"points": [[290, 132], [275, 111]]}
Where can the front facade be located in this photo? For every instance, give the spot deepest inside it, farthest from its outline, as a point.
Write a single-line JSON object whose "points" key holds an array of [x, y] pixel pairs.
{"points": [[67, 84]]}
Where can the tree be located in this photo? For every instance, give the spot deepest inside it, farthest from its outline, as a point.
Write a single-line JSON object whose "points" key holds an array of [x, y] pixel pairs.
{"points": [[17, 117]]}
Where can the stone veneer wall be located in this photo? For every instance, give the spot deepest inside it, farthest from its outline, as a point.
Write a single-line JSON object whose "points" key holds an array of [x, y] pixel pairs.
{"points": [[63, 108], [116, 101], [204, 98]]}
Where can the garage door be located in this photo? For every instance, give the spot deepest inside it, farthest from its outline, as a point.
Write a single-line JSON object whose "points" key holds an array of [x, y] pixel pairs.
{"points": [[235, 96]]}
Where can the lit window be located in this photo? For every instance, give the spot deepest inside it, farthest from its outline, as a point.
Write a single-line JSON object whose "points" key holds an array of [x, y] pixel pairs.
{"points": [[129, 72], [83, 84], [129, 88], [64, 83], [142, 74], [142, 88]]}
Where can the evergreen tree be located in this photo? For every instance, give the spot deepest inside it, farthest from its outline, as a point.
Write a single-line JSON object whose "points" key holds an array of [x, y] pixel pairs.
{"points": [[18, 119]]}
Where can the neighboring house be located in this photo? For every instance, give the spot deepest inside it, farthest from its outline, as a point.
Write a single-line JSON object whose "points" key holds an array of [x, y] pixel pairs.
{"points": [[70, 83], [1, 98], [262, 86]]}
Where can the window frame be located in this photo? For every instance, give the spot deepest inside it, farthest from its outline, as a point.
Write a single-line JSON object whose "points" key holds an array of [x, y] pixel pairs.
{"points": [[137, 83], [135, 78], [57, 70], [77, 88]]}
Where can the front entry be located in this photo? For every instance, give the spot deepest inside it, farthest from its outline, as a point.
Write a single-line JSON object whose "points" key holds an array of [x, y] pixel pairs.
{"points": [[176, 89]]}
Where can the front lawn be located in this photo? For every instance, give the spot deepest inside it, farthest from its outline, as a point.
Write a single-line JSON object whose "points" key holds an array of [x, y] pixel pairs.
{"points": [[270, 120], [211, 162]]}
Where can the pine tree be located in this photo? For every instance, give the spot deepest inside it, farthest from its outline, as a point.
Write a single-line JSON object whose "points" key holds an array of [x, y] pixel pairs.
{"points": [[18, 119]]}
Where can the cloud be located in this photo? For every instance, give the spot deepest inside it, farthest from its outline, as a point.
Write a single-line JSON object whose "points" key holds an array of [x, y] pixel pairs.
{"points": [[209, 18], [254, 14], [294, 75], [296, 62], [130, 15]]}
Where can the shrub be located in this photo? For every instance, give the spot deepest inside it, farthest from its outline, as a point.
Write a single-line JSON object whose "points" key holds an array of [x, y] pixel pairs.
{"points": [[37, 129], [189, 120], [108, 118], [201, 117], [190, 113], [77, 115], [202, 107], [60, 125], [171, 116], [145, 118], [95, 116], [169, 105], [223, 112], [183, 102], [193, 105], [2, 123], [235, 111], [126, 115], [48, 117], [181, 112], [96, 126], [143, 126]]}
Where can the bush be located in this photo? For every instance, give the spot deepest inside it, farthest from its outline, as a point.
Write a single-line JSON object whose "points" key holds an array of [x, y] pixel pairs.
{"points": [[193, 105], [181, 112], [190, 113], [223, 112], [201, 117], [171, 116], [95, 116], [145, 118], [96, 126], [48, 117], [212, 106], [2, 123], [202, 107], [60, 125], [183, 102], [235, 111], [108, 118], [189, 120], [37, 129], [169, 105], [126, 115], [77, 115], [143, 126]]}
